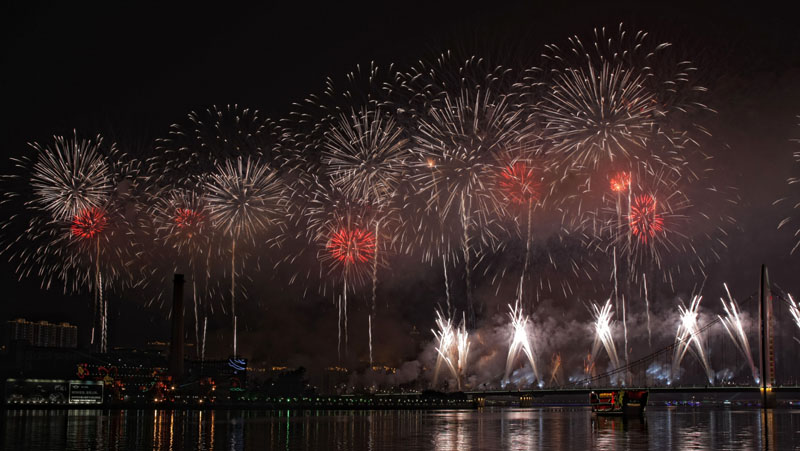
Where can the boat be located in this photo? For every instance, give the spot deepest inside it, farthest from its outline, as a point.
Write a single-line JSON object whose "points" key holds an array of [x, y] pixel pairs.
{"points": [[619, 402]]}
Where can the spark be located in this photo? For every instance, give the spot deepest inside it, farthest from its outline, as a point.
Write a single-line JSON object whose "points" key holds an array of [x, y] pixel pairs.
{"points": [[645, 222], [689, 338], [72, 176], [603, 334], [366, 155], [452, 348], [245, 198], [352, 246], [520, 342], [620, 182], [519, 184], [794, 309], [89, 223], [733, 326]]}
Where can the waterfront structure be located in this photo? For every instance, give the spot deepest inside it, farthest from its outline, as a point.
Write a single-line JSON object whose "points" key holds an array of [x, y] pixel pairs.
{"points": [[43, 333]]}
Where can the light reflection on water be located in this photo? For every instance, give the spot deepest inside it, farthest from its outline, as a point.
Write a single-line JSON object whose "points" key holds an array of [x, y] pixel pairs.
{"points": [[460, 430]]}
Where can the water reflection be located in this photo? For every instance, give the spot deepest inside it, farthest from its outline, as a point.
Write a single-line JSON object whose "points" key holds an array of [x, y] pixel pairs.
{"points": [[611, 432], [484, 429]]}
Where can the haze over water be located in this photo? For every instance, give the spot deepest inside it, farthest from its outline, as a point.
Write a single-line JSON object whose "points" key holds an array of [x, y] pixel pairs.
{"points": [[486, 429]]}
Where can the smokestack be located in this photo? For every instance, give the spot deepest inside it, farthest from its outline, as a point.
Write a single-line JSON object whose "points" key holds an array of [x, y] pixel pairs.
{"points": [[176, 341]]}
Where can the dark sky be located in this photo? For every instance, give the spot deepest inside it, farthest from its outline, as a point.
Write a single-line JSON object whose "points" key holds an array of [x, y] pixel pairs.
{"points": [[128, 71]]}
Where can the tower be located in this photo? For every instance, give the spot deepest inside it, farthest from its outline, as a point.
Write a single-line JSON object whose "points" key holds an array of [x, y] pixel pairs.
{"points": [[766, 340]]}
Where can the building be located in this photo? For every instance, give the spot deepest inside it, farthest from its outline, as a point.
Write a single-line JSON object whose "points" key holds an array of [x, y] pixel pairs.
{"points": [[43, 333], [228, 374]]}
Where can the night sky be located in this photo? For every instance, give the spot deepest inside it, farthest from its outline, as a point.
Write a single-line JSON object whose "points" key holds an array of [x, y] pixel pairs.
{"points": [[128, 72]]}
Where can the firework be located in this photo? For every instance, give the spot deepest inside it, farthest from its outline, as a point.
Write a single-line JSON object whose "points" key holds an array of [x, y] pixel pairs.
{"points": [[689, 338], [76, 230], [344, 135], [649, 222], [794, 309], [621, 181], [465, 115], [793, 182], [520, 341], [352, 246], [197, 147], [366, 155], [519, 183], [624, 96], [182, 220], [72, 176], [464, 135], [343, 231], [644, 219], [452, 348], [351, 108], [523, 187], [89, 223], [733, 326], [182, 223], [245, 198], [603, 334], [598, 113]]}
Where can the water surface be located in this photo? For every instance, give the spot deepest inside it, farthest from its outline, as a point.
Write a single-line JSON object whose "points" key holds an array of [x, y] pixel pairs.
{"points": [[461, 430]]}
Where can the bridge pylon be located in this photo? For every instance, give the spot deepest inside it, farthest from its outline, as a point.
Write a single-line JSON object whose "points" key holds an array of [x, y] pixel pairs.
{"points": [[766, 340]]}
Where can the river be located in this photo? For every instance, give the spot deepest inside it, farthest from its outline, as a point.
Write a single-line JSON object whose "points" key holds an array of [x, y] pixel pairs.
{"points": [[459, 430]]}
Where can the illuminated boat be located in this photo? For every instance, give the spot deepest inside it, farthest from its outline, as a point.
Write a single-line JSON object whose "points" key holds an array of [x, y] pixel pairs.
{"points": [[619, 402]]}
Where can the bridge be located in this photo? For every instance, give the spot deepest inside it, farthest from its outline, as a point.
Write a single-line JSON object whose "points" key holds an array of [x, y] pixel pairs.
{"points": [[637, 374]]}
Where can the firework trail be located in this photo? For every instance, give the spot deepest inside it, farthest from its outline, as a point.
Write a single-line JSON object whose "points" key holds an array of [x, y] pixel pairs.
{"points": [[603, 334], [342, 231], [689, 338], [625, 106], [654, 230], [793, 182], [193, 150], [794, 309], [181, 221], [520, 341], [733, 326], [245, 198], [369, 327], [555, 364], [520, 182], [75, 230], [365, 156], [611, 105], [452, 347], [346, 137], [463, 133], [464, 113]]}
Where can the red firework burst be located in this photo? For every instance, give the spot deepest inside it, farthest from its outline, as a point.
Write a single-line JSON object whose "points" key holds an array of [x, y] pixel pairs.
{"points": [[620, 182], [89, 222], [644, 221], [518, 183], [352, 246], [188, 219]]}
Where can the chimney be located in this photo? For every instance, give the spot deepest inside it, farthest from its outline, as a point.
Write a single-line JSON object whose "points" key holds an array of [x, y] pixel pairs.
{"points": [[176, 342]]}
